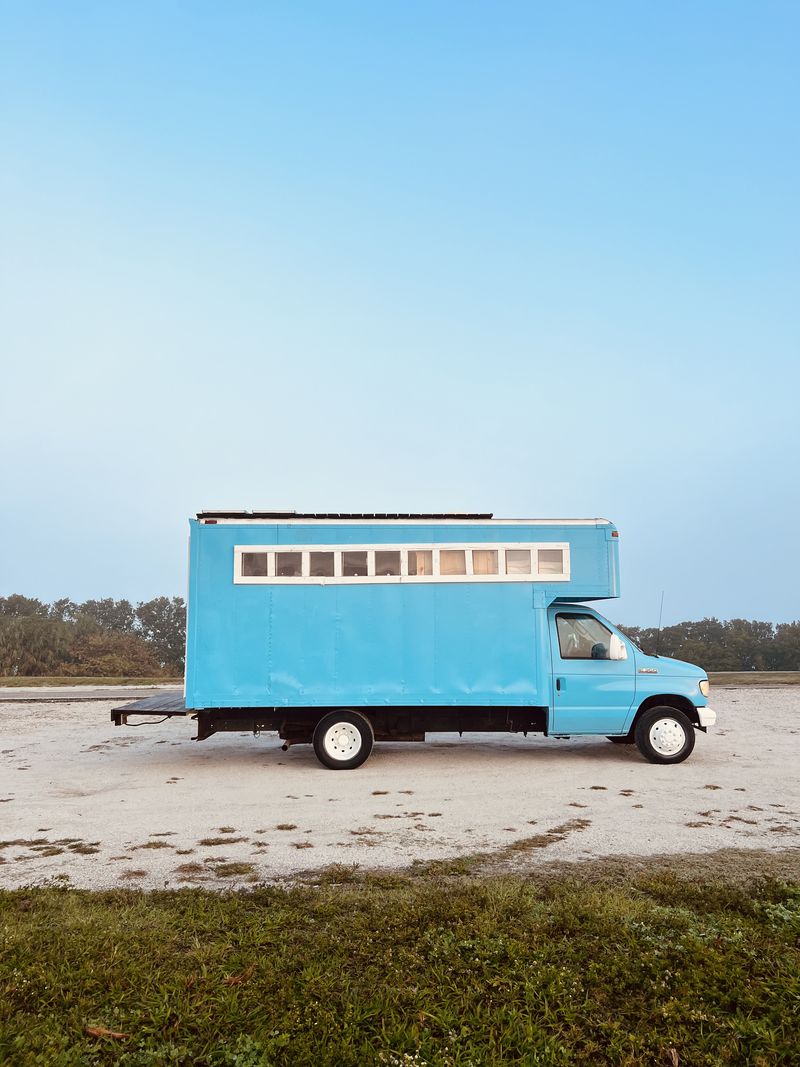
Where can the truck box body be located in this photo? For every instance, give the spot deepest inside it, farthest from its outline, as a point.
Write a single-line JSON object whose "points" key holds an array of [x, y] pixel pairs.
{"points": [[257, 638]]}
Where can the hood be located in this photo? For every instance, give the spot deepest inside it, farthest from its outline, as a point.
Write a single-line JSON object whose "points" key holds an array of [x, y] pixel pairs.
{"points": [[667, 666]]}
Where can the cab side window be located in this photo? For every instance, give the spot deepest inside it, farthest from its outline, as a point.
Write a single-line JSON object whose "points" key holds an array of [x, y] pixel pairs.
{"points": [[582, 637]]}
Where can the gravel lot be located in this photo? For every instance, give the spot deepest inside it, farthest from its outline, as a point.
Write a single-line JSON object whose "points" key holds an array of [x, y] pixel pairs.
{"points": [[106, 806]]}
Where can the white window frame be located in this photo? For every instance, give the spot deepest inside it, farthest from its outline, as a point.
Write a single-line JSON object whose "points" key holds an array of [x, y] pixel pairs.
{"points": [[404, 578]]}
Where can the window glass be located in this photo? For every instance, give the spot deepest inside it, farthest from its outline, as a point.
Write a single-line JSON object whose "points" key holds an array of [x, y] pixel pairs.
{"points": [[551, 561], [518, 561], [354, 564], [321, 564], [480, 561], [254, 564], [289, 564], [452, 561], [484, 561], [386, 562], [420, 562], [582, 637]]}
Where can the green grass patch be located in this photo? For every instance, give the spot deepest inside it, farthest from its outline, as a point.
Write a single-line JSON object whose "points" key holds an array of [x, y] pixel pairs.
{"points": [[232, 870], [447, 972], [18, 681], [738, 678]]}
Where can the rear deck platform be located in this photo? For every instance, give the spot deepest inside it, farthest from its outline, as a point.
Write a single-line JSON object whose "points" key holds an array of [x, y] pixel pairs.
{"points": [[164, 705]]}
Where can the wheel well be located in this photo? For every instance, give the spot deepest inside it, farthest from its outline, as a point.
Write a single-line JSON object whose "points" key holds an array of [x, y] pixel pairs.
{"points": [[666, 700]]}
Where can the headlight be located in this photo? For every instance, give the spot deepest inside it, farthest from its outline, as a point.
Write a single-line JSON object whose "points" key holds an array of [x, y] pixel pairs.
{"points": [[704, 687]]}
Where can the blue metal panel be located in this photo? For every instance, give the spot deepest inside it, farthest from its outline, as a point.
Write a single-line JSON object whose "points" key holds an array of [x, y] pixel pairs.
{"points": [[456, 643]]}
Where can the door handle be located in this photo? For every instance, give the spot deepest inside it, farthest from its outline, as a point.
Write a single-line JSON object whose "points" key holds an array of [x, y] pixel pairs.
{"points": [[558, 684]]}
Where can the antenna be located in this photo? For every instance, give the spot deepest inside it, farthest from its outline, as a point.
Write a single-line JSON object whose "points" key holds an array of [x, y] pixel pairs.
{"points": [[658, 632]]}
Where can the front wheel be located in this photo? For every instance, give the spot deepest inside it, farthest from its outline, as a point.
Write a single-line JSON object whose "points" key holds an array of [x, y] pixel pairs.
{"points": [[664, 735], [343, 739]]}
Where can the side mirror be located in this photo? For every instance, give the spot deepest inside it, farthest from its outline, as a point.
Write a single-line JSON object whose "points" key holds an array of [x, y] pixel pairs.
{"points": [[617, 648]]}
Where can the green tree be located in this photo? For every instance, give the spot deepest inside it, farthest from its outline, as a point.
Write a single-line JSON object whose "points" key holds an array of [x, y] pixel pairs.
{"points": [[18, 606], [110, 654], [785, 652], [109, 614], [162, 623], [33, 645]]}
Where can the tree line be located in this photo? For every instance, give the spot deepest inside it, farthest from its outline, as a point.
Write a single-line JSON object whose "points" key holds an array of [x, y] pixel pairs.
{"points": [[115, 638], [98, 638], [716, 645]]}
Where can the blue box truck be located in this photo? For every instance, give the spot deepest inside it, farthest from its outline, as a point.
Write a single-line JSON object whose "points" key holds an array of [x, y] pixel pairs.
{"points": [[339, 630]]}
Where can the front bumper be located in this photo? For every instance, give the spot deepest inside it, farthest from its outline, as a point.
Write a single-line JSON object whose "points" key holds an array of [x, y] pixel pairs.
{"points": [[706, 717]]}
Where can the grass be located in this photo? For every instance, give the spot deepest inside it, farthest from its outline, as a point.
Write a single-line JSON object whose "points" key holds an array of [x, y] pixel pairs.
{"points": [[220, 840], [399, 971], [17, 681], [738, 678]]}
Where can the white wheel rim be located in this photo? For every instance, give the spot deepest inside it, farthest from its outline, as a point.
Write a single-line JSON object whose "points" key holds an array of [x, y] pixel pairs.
{"points": [[667, 737], [342, 741]]}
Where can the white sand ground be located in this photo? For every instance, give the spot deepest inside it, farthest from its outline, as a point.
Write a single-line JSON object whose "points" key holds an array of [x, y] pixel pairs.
{"points": [[70, 780]]}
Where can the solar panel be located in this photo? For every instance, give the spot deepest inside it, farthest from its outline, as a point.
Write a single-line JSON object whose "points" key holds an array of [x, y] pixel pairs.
{"points": [[342, 516]]}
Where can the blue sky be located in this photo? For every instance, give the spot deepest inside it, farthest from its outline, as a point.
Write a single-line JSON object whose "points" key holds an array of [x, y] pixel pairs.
{"points": [[529, 258]]}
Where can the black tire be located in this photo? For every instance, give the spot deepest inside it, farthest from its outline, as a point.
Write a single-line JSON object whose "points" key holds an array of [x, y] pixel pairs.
{"points": [[348, 746], [658, 733], [625, 740]]}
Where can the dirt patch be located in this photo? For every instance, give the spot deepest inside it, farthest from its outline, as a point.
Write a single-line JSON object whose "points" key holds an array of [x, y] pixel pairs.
{"points": [[477, 796]]}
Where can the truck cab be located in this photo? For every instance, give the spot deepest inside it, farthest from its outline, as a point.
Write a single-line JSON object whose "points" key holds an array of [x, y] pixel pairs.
{"points": [[603, 683]]}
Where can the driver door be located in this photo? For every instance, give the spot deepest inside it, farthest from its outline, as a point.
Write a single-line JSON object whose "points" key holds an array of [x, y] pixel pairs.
{"points": [[592, 694]]}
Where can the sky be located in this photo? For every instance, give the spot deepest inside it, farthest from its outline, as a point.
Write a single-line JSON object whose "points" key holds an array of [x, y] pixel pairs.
{"points": [[534, 259]]}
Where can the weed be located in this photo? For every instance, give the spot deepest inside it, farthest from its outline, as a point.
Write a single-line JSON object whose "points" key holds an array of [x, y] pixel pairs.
{"points": [[220, 840], [339, 873], [444, 868], [232, 870], [25, 842]]}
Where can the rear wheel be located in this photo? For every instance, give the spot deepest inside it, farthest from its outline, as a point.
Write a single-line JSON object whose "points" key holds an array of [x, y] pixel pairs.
{"points": [[664, 735], [343, 739]]}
